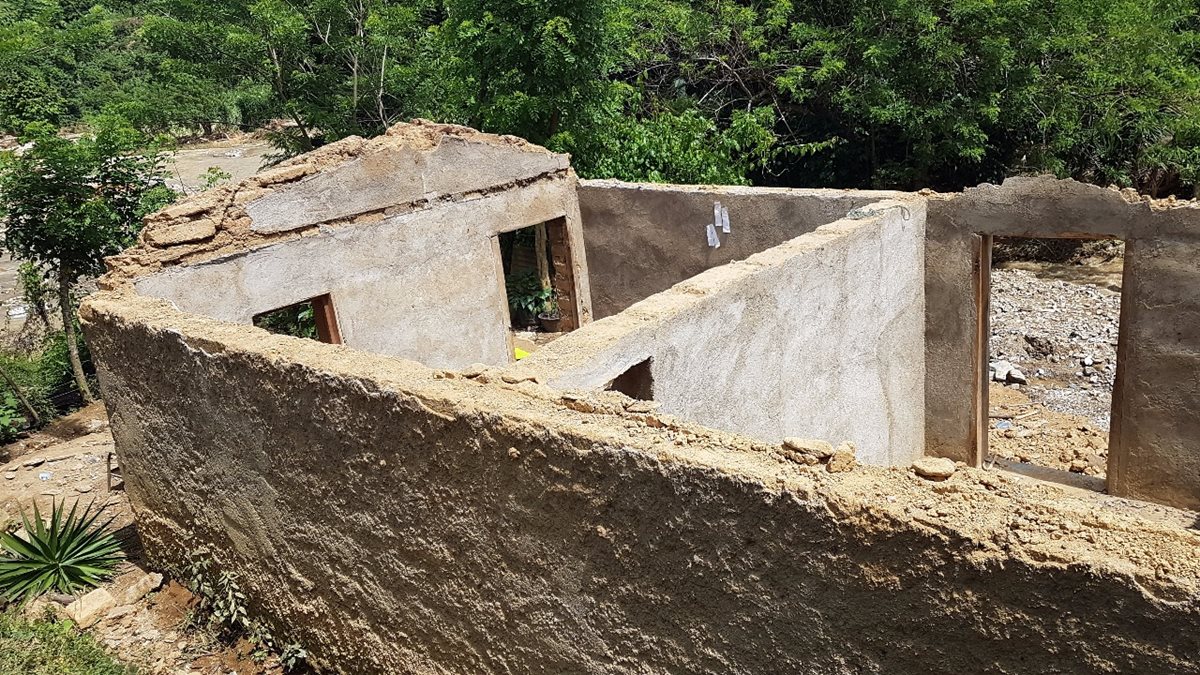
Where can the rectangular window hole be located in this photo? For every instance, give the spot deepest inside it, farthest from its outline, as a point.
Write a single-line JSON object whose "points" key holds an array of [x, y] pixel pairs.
{"points": [[313, 319], [636, 383]]}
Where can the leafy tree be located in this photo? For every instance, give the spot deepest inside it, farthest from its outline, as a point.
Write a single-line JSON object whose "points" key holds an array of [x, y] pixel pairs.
{"points": [[70, 203], [528, 63], [854, 93]]}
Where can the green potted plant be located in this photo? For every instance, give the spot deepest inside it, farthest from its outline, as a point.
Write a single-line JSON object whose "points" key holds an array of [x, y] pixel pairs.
{"points": [[526, 298], [551, 318]]}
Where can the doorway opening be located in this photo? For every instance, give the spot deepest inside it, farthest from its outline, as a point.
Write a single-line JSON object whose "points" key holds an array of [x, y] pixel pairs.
{"points": [[1052, 311], [313, 319], [539, 284]]}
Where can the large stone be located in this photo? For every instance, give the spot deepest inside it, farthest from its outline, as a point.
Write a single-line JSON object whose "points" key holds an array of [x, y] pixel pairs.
{"points": [[1000, 370], [843, 459], [934, 468], [138, 589], [181, 233], [89, 609], [809, 446]]}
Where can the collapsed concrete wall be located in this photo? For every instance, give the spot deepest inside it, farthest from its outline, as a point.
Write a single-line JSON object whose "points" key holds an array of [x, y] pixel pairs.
{"points": [[400, 231], [819, 337], [393, 518], [644, 238], [1155, 432]]}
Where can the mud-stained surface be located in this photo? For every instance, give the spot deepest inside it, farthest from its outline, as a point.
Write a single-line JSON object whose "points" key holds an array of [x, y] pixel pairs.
{"points": [[597, 483], [159, 632], [1021, 430]]}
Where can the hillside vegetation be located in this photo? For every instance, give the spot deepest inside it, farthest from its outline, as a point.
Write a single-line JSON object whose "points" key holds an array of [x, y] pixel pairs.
{"points": [[883, 93]]}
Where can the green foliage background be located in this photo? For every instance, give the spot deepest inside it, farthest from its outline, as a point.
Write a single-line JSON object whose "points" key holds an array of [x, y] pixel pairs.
{"points": [[855, 93]]}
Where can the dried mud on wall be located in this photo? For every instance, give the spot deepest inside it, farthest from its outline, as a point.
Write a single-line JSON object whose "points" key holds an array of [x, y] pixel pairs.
{"points": [[393, 518], [644, 238]]}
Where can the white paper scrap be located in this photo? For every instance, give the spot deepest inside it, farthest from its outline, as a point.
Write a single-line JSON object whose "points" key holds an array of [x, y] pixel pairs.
{"points": [[713, 240], [725, 219]]}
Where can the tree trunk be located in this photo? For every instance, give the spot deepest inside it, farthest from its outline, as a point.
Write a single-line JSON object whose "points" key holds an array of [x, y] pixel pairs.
{"points": [[35, 418], [543, 260], [68, 315]]}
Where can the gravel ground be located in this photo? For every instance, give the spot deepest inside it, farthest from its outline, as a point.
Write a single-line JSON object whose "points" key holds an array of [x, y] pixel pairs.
{"points": [[1062, 336]]}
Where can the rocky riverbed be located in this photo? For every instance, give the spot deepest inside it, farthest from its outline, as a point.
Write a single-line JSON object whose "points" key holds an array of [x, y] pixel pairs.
{"points": [[1059, 337]]}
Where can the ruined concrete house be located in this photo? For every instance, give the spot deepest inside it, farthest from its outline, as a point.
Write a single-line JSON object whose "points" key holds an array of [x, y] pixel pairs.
{"points": [[401, 496]]}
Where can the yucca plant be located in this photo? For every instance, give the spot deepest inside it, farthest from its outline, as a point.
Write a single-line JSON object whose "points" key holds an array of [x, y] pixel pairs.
{"points": [[69, 553]]}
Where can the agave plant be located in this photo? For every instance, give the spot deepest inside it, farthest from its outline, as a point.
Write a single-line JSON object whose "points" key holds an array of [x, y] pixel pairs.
{"points": [[69, 553]]}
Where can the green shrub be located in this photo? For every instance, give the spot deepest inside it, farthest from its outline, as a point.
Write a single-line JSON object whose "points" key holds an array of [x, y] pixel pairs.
{"points": [[12, 420], [526, 293], [69, 553]]}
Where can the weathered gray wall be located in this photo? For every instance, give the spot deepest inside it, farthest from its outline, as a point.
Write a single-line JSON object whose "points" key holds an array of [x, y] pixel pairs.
{"points": [[399, 230], [821, 337], [644, 238], [422, 285], [390, 521], [1154, 443]]}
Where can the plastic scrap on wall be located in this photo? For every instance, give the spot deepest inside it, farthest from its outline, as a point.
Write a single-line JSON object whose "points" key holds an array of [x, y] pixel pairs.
{"points": [[720, 220]]}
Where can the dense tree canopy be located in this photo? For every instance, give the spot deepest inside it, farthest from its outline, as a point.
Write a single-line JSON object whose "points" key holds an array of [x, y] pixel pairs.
{"points": [[904, 93]]}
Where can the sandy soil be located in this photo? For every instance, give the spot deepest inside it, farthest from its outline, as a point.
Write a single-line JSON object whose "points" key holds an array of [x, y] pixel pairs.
{"points": [[240, 156]]}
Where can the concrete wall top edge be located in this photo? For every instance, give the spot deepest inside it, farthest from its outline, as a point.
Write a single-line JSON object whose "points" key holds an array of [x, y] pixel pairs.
{"points": [[613, 184], [1048, 207], [410, 167], [1123, 544], [581, 348]]}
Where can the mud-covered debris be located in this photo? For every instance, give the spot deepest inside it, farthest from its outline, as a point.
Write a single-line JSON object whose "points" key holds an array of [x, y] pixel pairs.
{"points": [[809, 446], [934, 468], [843, 459], [474, 370], [642, 407]]}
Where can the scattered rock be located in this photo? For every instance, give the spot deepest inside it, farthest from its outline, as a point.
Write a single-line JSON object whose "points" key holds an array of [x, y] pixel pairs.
{"points": [[843, 459], [36, 461], [1000, 370], [934, 468], [9, 475], [138, 589], [1063, 335], [119, 612], [89, 609], [38, 608], [474, 370], [83, 488], [642, 407], [809, 446], [1039, 346], [1015, 376]]}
